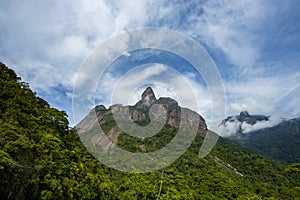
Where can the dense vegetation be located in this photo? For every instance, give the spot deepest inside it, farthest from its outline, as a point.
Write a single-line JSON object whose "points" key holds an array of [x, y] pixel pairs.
{"points": [[42, 158]]}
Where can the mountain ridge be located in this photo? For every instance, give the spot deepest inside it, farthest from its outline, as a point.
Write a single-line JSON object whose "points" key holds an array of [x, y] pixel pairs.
{"points": [[141, 111], [244, 116]]}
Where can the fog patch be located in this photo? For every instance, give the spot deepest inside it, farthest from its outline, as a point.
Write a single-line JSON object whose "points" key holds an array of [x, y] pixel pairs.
{"points": [[235, 127]]}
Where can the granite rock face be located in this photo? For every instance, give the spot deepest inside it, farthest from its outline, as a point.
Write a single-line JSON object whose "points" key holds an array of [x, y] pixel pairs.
{"points": [[164, 109], [148, 98]]}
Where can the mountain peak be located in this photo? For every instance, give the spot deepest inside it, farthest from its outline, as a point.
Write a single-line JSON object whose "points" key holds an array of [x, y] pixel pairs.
{"points": [[148, 98], [244, 113], [148, 92], [244, 116]]}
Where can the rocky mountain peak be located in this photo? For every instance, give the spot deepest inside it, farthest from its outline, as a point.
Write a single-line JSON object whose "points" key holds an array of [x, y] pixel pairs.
{"points": [[148, 98], [148, 92], [244, 114], [140, 112]]}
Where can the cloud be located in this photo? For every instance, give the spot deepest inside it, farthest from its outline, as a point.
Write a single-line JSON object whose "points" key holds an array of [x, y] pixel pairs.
{"points": [[273, 121], [235, 127], [229, 129], [60, 38], [264, 94], [46, 43], [229, 26], [165, 81]]}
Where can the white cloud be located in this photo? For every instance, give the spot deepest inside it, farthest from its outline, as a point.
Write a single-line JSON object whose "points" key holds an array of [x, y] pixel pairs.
{"points": [[166, 82], [262, 95], [61, 34], [229, 26], [273, 121], [234, 127], [229, 129]]}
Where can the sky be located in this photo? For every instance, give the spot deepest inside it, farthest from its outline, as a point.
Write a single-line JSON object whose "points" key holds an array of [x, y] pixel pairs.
{"points": [[254, 44]]}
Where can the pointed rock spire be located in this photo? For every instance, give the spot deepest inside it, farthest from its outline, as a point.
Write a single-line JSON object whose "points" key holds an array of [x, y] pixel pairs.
{"points": [[148, 98], [244, 113], [148, 95]]}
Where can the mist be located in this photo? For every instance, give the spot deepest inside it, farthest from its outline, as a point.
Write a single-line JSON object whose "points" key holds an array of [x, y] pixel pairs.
{"points": [[235, 127]]}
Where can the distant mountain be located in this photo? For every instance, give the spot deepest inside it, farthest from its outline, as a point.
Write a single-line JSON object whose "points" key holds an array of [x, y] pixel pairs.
{"points": [[280, 140], [244, 116]]}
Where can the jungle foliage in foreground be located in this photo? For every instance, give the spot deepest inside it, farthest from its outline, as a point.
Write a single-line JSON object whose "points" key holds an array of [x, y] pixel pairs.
{"points": [[42, 158]]}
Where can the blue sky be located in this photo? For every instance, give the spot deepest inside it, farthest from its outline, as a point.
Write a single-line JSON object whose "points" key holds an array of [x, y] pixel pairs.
{"points": [[255, 45]]}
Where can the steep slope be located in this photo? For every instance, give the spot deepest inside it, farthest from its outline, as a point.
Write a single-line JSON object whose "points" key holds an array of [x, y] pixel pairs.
{"points": [[148, 110], [41, 158]]}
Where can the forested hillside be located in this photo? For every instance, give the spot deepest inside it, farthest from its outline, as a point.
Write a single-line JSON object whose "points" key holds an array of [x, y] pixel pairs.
{"points": [[42, 158], [281, 142]]}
